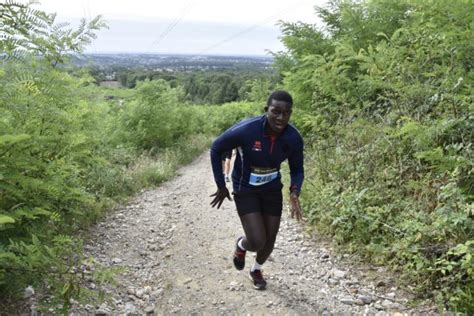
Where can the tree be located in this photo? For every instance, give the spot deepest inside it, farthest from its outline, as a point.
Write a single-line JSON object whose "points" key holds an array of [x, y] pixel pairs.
{"points": [[256, 90], [24, 30], [49, 142], [360, 22]]}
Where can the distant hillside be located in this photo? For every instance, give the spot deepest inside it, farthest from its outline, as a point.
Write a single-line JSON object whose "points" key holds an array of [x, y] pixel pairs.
{"points": [[173, 62], [204, 79]]}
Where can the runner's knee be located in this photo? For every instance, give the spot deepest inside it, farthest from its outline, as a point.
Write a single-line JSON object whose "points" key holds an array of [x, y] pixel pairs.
{"points": [[256, 243]]}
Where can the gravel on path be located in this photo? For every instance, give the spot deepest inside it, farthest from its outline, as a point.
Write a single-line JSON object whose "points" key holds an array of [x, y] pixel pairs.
{"points": [[176, 252]]}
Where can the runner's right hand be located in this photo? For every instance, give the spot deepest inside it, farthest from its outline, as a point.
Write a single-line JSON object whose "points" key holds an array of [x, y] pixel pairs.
{"points": [[219, 197]]}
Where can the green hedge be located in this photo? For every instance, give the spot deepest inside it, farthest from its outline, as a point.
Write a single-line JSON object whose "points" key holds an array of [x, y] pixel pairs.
{"points": [[386, 111]]}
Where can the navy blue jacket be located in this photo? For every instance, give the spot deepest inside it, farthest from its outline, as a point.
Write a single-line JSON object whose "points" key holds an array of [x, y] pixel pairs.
{"points": [[259, 156]]}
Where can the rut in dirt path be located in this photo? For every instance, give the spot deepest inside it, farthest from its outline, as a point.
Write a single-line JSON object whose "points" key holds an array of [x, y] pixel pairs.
{"points": [[176, 250]]}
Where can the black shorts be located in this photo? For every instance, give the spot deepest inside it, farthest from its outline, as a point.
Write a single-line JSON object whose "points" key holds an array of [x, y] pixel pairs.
{"points": [[270, 203]]}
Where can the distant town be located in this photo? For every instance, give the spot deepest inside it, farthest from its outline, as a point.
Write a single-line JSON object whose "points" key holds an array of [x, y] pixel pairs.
{"points": [[172, 63]]}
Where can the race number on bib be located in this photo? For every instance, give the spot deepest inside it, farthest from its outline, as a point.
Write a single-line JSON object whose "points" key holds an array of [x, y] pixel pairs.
{"points": [[261, 176]]}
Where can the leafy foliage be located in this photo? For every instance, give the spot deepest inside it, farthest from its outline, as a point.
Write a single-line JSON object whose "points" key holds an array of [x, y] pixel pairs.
{"points": [[215, 86], [66, 155], [385, 98], [27, 31]]}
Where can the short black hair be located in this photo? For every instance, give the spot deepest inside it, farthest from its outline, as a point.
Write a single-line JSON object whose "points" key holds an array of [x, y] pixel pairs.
{"points": [[280, 95]]}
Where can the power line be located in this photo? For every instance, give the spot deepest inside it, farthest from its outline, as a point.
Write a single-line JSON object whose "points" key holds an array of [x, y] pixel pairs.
{"points": [[173, 24], [250, 28]]}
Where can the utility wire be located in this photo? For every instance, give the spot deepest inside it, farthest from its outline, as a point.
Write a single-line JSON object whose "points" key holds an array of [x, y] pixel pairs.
{"points": [[173, 24], [250, 28]]}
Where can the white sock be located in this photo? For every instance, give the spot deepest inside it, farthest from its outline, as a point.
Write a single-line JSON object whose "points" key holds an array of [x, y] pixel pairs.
{"points": [[256, 266], [240, 244]]}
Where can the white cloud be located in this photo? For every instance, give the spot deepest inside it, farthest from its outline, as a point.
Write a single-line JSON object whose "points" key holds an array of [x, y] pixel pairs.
{"points": [[241, 12]]}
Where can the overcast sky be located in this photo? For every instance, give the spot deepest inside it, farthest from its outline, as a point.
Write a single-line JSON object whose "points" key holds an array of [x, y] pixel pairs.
{"points": [[244, 27]]}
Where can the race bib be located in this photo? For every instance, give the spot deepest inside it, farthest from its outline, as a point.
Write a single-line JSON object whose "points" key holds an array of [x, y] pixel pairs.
{"points": [[261, 176]]}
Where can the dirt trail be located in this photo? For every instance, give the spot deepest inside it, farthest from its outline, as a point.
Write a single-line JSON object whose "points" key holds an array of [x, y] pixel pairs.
{"points": [[177, 253]]}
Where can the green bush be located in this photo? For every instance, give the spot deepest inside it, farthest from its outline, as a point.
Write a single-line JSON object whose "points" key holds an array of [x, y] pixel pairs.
{"points": [[386, 112]]}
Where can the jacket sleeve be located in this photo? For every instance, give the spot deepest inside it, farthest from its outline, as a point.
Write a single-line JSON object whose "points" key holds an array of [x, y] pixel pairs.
{"points": [[227, 141], [296, 163]]}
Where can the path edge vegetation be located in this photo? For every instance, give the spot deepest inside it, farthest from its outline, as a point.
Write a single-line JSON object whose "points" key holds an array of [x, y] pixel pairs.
{"points": [[67, 156], [385, 102]]}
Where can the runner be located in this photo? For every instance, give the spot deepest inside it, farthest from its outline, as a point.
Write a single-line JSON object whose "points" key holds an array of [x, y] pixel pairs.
{"points": [[262, 143]]}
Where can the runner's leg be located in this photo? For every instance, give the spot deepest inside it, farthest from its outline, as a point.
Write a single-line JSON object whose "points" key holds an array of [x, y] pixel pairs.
{"points": [[227, 166], [272, 225], [254, 228]]}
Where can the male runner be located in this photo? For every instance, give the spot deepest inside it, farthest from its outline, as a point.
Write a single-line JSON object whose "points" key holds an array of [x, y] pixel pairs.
{"points": [[262, 143]]}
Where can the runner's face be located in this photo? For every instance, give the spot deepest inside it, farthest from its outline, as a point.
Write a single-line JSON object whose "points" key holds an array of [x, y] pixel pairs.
{"points": [[278, 115]]}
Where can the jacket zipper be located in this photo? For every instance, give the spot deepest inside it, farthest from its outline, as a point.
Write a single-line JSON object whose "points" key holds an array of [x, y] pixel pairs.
{"points": [[272, 142]]}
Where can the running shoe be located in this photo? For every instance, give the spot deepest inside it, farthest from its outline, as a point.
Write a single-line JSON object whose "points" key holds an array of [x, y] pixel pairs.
{"points": [[239, 256], [259, 282]]}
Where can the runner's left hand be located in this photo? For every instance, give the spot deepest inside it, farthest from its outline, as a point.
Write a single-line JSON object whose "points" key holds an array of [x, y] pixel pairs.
{"points": [[295, 207]]}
